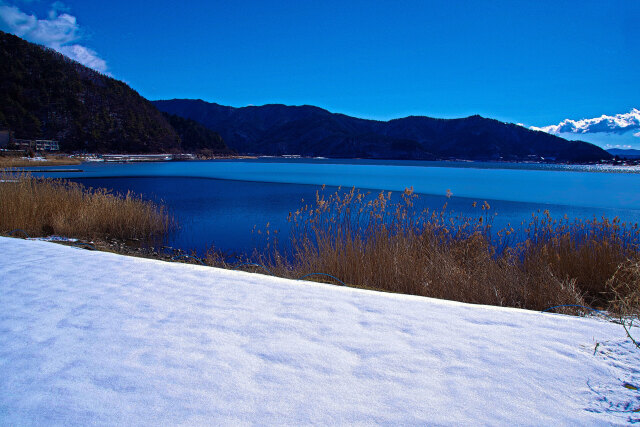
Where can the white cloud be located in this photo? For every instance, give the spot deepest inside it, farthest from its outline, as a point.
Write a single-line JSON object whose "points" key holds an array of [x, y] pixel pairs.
{"points": [[619, 124], [84, 56], [58, 6], [59, 32]]}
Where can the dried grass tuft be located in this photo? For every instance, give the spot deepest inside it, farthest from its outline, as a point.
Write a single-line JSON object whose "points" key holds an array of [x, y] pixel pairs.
{"points": [[43, 207]]}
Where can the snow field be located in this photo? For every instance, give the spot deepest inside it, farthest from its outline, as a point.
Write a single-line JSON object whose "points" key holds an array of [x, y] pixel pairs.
{"points": [[97, 338]]}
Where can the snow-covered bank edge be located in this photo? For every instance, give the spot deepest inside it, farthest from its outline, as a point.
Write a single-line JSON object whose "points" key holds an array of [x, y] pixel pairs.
{"points": [[93, 337]]}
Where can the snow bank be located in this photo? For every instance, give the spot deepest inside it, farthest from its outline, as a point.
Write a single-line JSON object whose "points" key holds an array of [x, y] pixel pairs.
{"points": [[97, 338]]}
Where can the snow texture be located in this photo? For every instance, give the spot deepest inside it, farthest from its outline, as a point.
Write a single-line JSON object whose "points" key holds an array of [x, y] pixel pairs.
{"points": [[91, 338]]}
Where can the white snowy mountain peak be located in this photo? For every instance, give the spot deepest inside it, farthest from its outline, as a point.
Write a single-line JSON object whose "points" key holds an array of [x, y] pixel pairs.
{"points": [[620, 123]]}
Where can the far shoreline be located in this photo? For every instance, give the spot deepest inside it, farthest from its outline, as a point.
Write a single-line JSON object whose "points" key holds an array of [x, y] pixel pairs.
{"points": [[8, 163]]}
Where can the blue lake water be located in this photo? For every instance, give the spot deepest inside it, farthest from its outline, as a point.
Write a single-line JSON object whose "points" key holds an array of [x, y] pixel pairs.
{"points": [[220, 202]]}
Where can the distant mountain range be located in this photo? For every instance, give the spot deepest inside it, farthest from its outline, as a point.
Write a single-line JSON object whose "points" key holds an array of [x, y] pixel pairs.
{"points": [[625, 153], [44, 94], [311, 131]]}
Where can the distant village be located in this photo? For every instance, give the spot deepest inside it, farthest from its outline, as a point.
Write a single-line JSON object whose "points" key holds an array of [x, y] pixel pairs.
{"points": [[11, 146]]}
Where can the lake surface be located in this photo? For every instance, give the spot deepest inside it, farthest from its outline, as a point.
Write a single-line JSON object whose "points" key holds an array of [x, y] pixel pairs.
{"points": [[220, 202]]}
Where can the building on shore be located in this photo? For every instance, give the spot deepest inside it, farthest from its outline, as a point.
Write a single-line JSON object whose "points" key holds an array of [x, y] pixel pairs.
{"points": [[36, 144]]}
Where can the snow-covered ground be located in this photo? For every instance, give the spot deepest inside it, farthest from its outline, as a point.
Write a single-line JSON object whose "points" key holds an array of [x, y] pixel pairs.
{"points": [[95, 338]]}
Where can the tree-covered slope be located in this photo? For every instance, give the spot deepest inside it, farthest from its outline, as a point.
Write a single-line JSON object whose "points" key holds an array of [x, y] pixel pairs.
{"points": [[195, 137], [44, 94]]}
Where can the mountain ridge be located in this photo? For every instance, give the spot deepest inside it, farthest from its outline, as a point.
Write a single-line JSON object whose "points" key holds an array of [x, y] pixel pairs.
{"points": [[44, 94], [628, 153], [278, 129]]}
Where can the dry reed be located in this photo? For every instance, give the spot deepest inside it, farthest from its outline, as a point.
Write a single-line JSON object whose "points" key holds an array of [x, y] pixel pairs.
{"points": [[43, 207], [625, 284], [589, 252], [373, 243]]}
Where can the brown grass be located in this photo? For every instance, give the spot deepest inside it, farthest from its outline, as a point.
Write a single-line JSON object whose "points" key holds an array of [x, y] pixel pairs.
{"points": [[373, 243], [43, 207], [625, 284], [589, 252], [16, 162]]}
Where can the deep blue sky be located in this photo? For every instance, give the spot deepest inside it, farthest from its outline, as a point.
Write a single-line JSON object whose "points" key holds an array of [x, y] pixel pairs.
{"points": [[534, 62]]}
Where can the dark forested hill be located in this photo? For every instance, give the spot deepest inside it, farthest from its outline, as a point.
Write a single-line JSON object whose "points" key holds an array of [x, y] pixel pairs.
{"points": [[44, 94], [312, 131], [196, 138]]}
